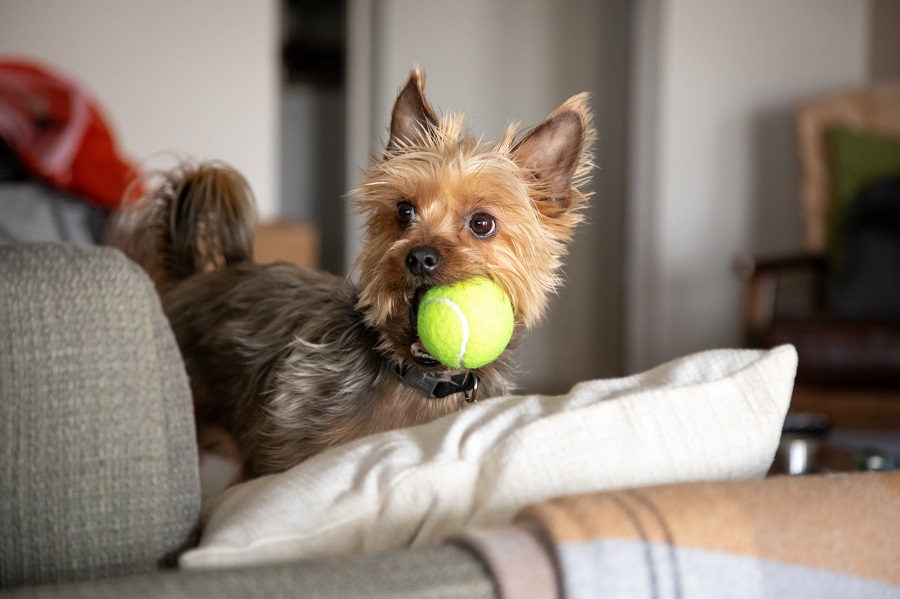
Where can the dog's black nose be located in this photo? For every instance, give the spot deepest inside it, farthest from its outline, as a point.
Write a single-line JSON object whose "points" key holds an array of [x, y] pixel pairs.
{"points": [[423, 260]]}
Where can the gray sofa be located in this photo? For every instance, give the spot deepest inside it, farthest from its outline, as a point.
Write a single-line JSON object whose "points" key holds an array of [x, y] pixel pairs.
{"points": [[99, 486], [98, 481]]}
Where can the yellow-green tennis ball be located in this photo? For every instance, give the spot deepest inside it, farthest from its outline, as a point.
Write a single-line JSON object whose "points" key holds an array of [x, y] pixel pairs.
{"points": [[466, 325]]}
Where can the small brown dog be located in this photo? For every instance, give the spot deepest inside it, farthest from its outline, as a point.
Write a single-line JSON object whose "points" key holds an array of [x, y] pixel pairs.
{"points": [[288, 361]]}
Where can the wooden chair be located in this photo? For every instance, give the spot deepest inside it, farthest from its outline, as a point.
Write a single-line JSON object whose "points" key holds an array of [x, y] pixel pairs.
{"points": [[849, 368]]}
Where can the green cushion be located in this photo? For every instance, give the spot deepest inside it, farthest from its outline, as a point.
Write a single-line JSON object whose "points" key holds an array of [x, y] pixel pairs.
{"points": [[858, 159]]}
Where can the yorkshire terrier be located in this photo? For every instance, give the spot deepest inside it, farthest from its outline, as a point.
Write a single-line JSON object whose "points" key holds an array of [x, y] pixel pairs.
{"points": [[288, 361]]}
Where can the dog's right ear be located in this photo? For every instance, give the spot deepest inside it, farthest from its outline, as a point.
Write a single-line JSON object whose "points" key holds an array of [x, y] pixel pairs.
{"points": [[557, 154], [412, 116]]}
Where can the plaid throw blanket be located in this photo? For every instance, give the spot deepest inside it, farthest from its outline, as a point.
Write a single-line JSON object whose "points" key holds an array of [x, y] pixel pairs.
{"points": [[812, 536]]}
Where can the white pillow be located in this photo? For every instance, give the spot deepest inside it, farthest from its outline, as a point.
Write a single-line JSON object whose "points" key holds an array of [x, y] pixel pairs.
{"points": [[713, 415]]}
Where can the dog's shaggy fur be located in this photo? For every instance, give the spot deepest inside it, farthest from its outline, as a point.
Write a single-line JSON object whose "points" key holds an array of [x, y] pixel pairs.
{"points": [[289, 361]]}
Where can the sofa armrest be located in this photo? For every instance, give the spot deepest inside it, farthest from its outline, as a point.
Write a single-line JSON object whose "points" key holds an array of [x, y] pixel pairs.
{"points": [[99, 469], [441, 571]]}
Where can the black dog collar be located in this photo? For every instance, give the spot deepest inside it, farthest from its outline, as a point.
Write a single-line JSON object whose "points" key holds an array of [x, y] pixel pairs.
{"points": [[437, 385]]}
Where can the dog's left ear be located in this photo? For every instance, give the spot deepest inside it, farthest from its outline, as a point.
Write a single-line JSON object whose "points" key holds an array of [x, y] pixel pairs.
{"points": [[412, 116], [556, 152]]}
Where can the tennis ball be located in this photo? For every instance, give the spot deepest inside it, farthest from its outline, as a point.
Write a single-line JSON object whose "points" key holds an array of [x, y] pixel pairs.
{"points": [[466, 325]]}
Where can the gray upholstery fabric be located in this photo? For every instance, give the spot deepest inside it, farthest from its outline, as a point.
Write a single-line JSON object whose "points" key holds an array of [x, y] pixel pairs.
{"points": [[99, 463], [441, 572]]}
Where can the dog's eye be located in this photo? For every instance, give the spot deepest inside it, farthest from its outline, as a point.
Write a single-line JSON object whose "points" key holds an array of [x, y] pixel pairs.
{"points": [[483, 224], [405, 213]]}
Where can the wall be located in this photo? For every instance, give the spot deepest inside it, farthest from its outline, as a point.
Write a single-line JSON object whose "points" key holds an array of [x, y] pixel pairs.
{"points": [[197, 77], [701, 156], [512, 60], [713, 166], [312, 158]]}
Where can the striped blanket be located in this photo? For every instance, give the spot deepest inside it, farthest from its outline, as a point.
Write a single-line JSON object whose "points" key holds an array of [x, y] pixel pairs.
{"points": [[812, 536]]}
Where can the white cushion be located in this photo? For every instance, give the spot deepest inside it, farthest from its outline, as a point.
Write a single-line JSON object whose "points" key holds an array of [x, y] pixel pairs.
{"points": [[714, 415]]}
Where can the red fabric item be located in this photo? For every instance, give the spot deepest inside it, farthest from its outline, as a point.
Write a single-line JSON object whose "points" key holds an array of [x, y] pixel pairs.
{"points": [[58, 133]]}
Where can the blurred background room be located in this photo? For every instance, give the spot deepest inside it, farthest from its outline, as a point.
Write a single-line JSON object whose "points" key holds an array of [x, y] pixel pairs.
{"points": [[695, 104]]}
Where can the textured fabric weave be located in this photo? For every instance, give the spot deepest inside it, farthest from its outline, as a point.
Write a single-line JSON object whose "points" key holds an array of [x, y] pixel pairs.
{"points": [[710, 416], [99, 463], [439, 572], [812, 536]]}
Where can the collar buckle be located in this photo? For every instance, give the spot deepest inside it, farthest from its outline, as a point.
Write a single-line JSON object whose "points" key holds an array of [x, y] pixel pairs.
{"points": [[438, 386]]}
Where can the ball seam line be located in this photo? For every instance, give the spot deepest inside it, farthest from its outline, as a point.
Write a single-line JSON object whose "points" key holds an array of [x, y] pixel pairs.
{"points": [[463, 321]]}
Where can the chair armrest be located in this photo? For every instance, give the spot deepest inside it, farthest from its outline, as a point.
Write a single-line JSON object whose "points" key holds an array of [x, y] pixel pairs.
{"points": [[748, 265], [763, 276]]}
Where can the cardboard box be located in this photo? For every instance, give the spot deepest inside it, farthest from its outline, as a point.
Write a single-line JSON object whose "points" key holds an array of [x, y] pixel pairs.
{"points": [[287, 241]]}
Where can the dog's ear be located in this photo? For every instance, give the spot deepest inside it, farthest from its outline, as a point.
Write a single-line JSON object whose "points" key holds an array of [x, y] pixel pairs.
{"points": [[557, 152], [412, 115]]}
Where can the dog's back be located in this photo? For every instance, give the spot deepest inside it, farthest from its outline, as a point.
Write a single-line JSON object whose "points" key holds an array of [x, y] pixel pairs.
{"points": [[277, 356], [290, 362]]}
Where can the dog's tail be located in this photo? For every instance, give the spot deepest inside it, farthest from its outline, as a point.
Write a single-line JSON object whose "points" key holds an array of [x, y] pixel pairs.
{"points": [[194, 218]]}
